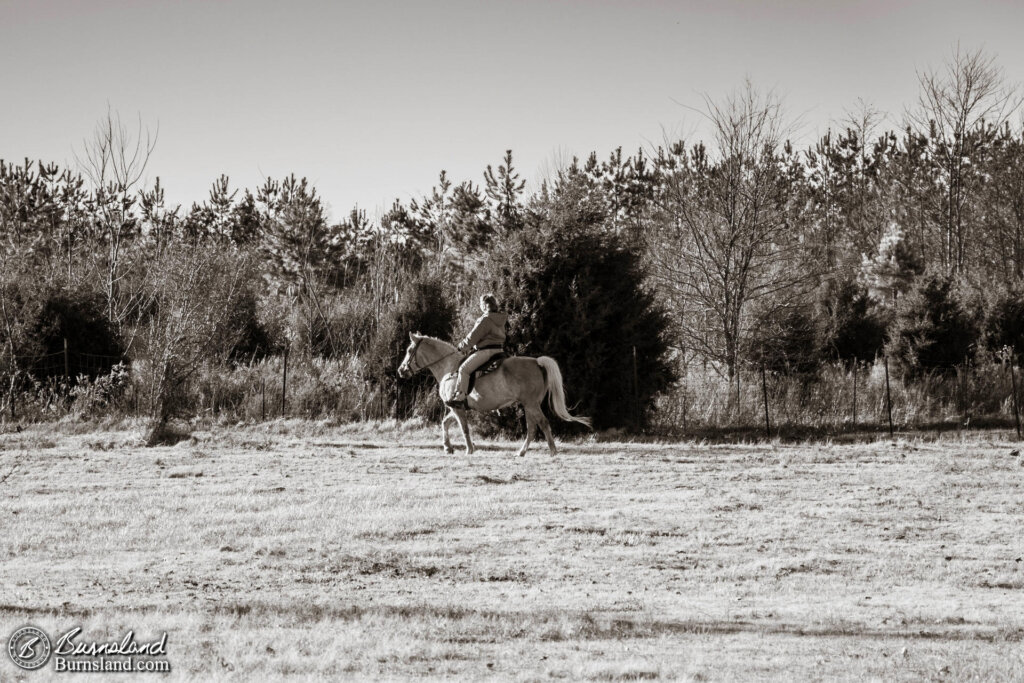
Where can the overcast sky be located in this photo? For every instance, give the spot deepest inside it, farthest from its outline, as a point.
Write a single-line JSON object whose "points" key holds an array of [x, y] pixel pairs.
{"points": [[370, 100]]}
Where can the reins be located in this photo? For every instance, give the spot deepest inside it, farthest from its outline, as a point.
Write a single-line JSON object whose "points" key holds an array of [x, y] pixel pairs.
{"points": [[430, 365]]}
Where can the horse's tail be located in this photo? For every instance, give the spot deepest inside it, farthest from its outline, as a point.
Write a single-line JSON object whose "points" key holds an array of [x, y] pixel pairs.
{"points": [[556, 392]]}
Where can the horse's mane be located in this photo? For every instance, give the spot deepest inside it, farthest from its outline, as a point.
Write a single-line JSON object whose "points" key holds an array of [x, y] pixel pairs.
{"points": [[427, 336]]}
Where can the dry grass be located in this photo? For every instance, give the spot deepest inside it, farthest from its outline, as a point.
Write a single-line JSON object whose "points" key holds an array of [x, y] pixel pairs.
{"points": [[306, 550], [706, 403]]}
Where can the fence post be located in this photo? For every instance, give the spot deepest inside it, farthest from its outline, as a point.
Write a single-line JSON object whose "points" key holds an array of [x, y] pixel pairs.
{"points": [[684, 406], [764, 391], [636, 392], [854, 395], [738, 407], [66, 373], [888, 396], [284, 381], [263, 397], [1016, 406], [961, 397]]}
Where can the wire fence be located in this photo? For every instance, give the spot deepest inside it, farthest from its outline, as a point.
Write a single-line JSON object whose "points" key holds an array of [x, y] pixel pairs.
{"points": [[755, 403], [837, 400], [48, 385], [66, 361]]}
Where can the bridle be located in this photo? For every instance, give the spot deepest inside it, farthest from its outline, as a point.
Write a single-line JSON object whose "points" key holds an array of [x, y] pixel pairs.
{"points": [[412, 359]]}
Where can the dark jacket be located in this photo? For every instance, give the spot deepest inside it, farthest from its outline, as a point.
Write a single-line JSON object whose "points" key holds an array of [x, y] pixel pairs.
{"points": [[489, 331]]}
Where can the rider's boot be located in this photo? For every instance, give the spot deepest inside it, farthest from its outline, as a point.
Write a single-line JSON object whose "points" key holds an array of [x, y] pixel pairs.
{"points": [[457, 401]]}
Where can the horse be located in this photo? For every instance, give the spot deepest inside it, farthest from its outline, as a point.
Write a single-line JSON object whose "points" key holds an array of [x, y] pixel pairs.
{"points": [[519, 379]]}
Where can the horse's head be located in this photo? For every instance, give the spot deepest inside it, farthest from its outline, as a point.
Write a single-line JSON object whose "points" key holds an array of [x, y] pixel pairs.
{"points": [[409, 367]]}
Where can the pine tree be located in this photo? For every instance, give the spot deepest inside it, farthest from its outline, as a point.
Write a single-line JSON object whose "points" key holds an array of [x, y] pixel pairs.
{"points": [[504, 189], [575, 291]]}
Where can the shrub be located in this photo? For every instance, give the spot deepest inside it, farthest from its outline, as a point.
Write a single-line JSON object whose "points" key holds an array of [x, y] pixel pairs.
{"points": [[104, 393], [339, 325], [576, 293], [849, 327], [20, 310], [932, 330], [1004, 324], [194, 292], [783, 341], [423, 306], [352, 320], [253, 339], [93, 346]]}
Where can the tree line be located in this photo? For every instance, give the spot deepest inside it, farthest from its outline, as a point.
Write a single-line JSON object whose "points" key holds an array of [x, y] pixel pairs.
{"points": [[636, 271]]}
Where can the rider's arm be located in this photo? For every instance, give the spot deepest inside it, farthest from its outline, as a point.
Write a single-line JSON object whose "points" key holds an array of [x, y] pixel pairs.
{"points": [[476, 334]]}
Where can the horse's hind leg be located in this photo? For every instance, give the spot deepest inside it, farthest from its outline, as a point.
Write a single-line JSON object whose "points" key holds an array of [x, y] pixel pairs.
{"points": [[546, 428], [445, 422], [463, 420], [531, 428]]}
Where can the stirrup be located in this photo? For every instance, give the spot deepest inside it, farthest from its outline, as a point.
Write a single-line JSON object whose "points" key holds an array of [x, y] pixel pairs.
{"points": [[460, 403]]}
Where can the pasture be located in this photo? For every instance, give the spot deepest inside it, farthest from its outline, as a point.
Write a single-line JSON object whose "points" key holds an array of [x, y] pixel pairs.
{"points": [[298, 549]]}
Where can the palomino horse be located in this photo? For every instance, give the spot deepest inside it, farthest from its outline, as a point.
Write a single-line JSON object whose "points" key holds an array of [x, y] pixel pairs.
{"points": [[519, 380]]}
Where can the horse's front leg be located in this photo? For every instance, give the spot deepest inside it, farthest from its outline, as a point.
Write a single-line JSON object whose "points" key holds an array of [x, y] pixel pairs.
{"points": [[445, 422], [463, 419]]}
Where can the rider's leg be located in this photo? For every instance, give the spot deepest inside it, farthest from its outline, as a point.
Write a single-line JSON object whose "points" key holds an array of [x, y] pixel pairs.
{"points": [[467, 368]]}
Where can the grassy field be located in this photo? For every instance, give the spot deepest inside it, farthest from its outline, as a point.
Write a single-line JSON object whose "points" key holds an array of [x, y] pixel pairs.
{"points": [[303, 550]]}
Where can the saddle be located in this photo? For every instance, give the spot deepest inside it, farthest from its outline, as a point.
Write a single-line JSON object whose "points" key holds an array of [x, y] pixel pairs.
{"points": [[487, 368], [450, 381]]}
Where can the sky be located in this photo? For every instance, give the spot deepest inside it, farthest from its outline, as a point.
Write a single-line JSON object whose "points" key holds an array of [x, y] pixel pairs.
{"points": [[370, 100]]}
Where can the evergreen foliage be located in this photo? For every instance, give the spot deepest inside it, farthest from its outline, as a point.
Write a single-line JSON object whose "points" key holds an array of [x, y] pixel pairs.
{"points": [[93, 346], [253, 339], [891, 270], [1004, 324], [932, 330], [850, 327], [423, 306], [504, 188], [576, 293]]}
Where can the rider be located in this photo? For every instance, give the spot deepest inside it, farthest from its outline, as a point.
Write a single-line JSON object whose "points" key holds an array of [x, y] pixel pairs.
{"points": [[487, 339]]}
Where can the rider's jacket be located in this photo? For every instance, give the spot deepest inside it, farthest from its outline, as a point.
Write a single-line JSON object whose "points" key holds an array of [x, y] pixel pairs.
{"points": [[488, 332]]}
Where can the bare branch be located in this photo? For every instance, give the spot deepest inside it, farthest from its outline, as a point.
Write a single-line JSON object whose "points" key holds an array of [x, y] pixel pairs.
{"points": [[722, 242]]}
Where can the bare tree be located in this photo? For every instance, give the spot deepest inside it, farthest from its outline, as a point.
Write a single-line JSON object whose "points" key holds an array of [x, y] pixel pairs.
{"points": [[11, 371], [16, 268], [192, 293], [960, 110], [864, 118], [114, 160], [867, 211], [723, 242]]}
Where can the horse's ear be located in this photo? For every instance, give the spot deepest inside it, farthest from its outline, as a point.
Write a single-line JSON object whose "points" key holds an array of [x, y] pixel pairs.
{"points": [[414, 337]]}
